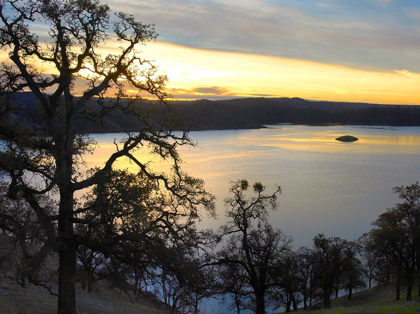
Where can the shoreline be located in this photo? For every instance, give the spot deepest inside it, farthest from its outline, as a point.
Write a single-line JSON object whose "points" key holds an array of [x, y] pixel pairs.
{"points": [[269, 126]]}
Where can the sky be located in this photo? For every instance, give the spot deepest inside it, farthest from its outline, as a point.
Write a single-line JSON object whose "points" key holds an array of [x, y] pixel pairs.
{"points": [[338, 50]]}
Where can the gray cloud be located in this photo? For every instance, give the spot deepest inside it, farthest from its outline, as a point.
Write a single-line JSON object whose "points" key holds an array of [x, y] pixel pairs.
{"points": [[378, 34], [211, 90], [213, 93]]}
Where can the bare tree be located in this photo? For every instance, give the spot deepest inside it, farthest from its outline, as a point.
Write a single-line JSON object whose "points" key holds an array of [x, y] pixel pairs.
{"points": [[251, 243], [333, 256], [353, 277], [24, 256], [305, 260], [398, 231], [43, 156], [233, 286], [287, 279], [95, 267]]}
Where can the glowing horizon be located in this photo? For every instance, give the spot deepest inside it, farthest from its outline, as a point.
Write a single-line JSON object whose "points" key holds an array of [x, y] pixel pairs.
{"points": [[346, 51], [198, 73], [195, 73]]}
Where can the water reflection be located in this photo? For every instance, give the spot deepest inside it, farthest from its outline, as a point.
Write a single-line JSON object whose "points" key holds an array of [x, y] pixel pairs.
{"points": [[328, 186]]}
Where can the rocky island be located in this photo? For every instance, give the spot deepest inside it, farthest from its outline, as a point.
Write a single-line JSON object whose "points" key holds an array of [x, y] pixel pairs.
{"points": [[347, 138]]}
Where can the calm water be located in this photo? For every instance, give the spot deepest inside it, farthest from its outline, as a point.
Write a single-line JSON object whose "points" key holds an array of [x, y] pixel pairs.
{"points": [[327, 186]]}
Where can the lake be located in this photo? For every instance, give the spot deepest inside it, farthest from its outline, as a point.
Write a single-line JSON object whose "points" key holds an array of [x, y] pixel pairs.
{"points": [[327, 186]]}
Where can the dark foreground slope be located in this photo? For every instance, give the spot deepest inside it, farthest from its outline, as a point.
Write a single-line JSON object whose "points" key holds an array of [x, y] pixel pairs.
{"points": [[108, 296], [36, 300], [104, 300], [249, 113]]}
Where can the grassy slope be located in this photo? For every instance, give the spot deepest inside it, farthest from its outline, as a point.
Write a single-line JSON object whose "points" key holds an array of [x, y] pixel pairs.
{"points": [[36, 300], [375, 300]]}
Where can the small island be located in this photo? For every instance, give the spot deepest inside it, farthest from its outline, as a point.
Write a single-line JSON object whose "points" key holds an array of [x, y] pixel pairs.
{"points": [[347, 138]]}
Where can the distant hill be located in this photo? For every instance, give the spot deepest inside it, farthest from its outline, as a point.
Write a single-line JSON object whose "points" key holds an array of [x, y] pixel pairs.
{"points": [[247, 113], [256, 112]]}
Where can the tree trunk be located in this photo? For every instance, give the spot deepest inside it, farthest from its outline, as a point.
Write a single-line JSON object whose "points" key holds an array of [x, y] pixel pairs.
{"points": [[260, 303], [295, 305], [350, 292], [327, 300], [398, 288], [288, 303], [237, 304], [67, 247], [83, 280], [196, 311], [419, 285], [388, 273], [327, 303], [90, 281], [67, 278], [310, 299], [409, 285]]}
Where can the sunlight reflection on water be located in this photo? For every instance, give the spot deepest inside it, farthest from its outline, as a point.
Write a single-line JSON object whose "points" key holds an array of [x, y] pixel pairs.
{"points": [[328, 186]]}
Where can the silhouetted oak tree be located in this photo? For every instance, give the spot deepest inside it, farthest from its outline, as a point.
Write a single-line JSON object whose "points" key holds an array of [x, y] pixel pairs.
{"points": [[305, 260], [43, 157], [333, 259], [252, 245], [398, 230]]}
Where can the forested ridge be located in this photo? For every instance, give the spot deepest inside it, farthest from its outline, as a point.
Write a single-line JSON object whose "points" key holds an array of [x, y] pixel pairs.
{"points": [[251, 113], [255, 112]]}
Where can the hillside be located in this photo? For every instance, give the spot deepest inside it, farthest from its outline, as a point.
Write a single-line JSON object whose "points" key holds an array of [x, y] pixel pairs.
{"points": [[248, 113], [16, 300], [252, 112], [105, 297], [104, 300], [379, 299]]}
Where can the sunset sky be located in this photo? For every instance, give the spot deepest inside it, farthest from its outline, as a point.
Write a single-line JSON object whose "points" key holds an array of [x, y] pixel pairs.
{"points": [[340, 50]]}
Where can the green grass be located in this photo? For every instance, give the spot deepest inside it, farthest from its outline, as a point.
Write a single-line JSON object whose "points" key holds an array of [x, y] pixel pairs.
{"points": [[378, 300]]}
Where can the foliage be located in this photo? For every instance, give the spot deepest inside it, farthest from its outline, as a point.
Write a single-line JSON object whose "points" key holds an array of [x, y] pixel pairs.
{"points": [[42, 161]]}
